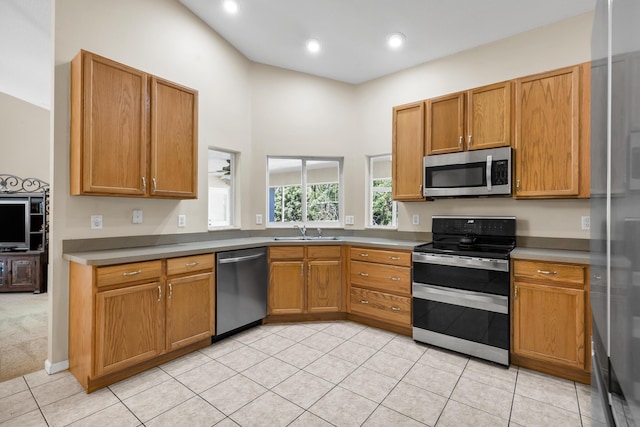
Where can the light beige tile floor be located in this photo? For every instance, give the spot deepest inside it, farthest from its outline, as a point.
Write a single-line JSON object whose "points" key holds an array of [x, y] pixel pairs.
{"points": [[310, 374]]}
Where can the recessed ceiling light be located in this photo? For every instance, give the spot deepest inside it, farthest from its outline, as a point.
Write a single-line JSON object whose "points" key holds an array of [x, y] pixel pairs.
{"points": [[230, 6], [313, 45], [395, 40]]}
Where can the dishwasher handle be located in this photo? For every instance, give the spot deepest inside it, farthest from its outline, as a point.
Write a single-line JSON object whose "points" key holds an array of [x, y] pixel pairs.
{"points": [[239, 259]]}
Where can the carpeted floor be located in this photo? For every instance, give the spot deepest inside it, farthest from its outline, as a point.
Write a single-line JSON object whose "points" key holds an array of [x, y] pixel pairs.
{"points": [[23, 333]]}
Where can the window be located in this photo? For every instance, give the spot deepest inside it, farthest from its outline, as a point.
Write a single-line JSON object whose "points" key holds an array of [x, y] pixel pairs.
{"points": [[221, 179], [382, 208], [304, 190]]}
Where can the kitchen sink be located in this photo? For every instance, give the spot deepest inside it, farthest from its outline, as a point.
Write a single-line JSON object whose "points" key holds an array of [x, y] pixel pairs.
{"points": [[307, 238]]}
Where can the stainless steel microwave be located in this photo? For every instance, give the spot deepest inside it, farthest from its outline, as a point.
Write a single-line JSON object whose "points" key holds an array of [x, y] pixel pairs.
{"points": [[471, 173]]}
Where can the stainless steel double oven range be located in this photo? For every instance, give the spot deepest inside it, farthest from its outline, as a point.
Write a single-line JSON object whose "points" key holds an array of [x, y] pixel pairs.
{"points": [[461, 286]]}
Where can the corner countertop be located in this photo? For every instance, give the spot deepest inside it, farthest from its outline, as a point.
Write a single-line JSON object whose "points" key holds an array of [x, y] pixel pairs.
{"points": [[149, 253], [553, 255]]}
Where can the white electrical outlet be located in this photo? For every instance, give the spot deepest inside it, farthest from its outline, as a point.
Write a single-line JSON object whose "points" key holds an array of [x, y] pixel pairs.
{"points": [[348, 220], [182, 220], [586, 222], [137, 216], [258, 219], [96, 222], [416, 219]]}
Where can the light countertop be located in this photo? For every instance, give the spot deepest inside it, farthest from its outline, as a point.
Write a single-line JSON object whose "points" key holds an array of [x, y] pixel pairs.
{"points": [[553, 255]]}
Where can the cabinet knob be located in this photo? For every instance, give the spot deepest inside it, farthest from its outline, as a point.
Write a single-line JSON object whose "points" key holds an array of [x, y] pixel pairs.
{"points": [[395, 308], [364, 254], [364, 274], [364, 301]]}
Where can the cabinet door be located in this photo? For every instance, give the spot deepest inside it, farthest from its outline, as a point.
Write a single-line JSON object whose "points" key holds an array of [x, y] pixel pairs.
{"points": [[549, 323], [108, 127], [408, 152], [4, 282], [286, 287], [129, 326], [190, 305], [547, 134], [445, 124], [489, 116], [324, 286], [23, 273], [174, 140]]}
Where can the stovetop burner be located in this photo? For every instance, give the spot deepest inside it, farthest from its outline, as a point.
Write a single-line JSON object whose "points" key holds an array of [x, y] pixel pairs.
{"points": [[486, 237]]}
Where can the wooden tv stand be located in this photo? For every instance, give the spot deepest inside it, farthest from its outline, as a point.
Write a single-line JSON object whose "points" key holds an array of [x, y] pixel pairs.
{"points": [[23, 271]]}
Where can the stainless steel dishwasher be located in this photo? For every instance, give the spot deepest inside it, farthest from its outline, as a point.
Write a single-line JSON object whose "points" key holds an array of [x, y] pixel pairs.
{"points": [[242, 279]]}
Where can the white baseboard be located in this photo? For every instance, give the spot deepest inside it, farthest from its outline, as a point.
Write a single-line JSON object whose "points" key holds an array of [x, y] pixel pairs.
{"points": [[54, 368]]}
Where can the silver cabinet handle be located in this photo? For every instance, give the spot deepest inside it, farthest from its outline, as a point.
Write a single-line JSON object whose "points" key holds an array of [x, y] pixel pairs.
{"points": [[192, 264], [159, 293], [144, 184], [301, 270], [469, 140], [395, 279], [131, 273], [460, 141], [547, 272], [364, 274], [153, 185], [364, 254], [394, 258], [395, 308], [170, 290], [364, 301]]}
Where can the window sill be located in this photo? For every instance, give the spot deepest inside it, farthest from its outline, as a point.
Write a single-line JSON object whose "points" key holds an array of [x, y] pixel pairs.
{"points": [[369, 227], [225, 228]]}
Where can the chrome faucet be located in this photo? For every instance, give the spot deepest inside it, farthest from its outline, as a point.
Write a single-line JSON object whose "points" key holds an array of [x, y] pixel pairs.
{"points": [[302, 230]]}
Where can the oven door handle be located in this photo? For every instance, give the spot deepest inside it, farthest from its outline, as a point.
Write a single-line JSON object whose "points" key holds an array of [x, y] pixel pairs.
{"points": [[462, 261], [487, 302], [488, 172]]}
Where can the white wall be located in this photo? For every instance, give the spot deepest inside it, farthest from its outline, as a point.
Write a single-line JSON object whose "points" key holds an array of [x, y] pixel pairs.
{"points": [[554, 46], [163, 38], [25, 130]]}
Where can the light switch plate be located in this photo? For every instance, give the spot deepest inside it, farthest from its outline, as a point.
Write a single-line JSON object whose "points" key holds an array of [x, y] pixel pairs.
{"points": [[348, 220], [96, 222], [182, 220], [137, 216], [258, 219]]}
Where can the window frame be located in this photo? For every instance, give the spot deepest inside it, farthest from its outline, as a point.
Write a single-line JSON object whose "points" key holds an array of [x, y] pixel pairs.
{"points": [[231, 209], [371, 189], [304, 183]]}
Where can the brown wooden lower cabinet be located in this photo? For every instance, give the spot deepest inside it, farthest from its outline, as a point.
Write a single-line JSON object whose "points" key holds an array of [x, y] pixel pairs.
{"points": [[305, 280], [551, 319], [127, 318]]}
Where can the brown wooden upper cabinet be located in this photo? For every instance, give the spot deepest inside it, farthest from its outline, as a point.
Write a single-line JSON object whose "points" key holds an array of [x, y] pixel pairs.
{"points": [[552, 134], [408, 151], [132, 134], [471, 120]]}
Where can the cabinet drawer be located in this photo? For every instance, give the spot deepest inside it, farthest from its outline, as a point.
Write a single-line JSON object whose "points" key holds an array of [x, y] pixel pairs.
{"points": [[381, 256], [189, 263], [386, 278], [323, 252], [549, 271], [128, 273], [387, 307], [286, 252]]}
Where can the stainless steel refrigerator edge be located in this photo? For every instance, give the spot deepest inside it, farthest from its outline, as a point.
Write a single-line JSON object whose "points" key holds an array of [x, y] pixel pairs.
{"points": [[242, 279], [615, 212]]}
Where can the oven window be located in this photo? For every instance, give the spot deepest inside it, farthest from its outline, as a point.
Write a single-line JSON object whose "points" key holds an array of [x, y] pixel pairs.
{"points": [[469, 279], [456, 176], [485, 327]]}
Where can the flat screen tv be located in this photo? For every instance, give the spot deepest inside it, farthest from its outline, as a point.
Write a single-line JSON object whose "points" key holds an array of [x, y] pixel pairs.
{"points": [[14, 224]]}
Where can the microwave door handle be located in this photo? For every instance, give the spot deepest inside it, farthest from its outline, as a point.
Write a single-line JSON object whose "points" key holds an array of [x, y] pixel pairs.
{"points": [[488, 171]]}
